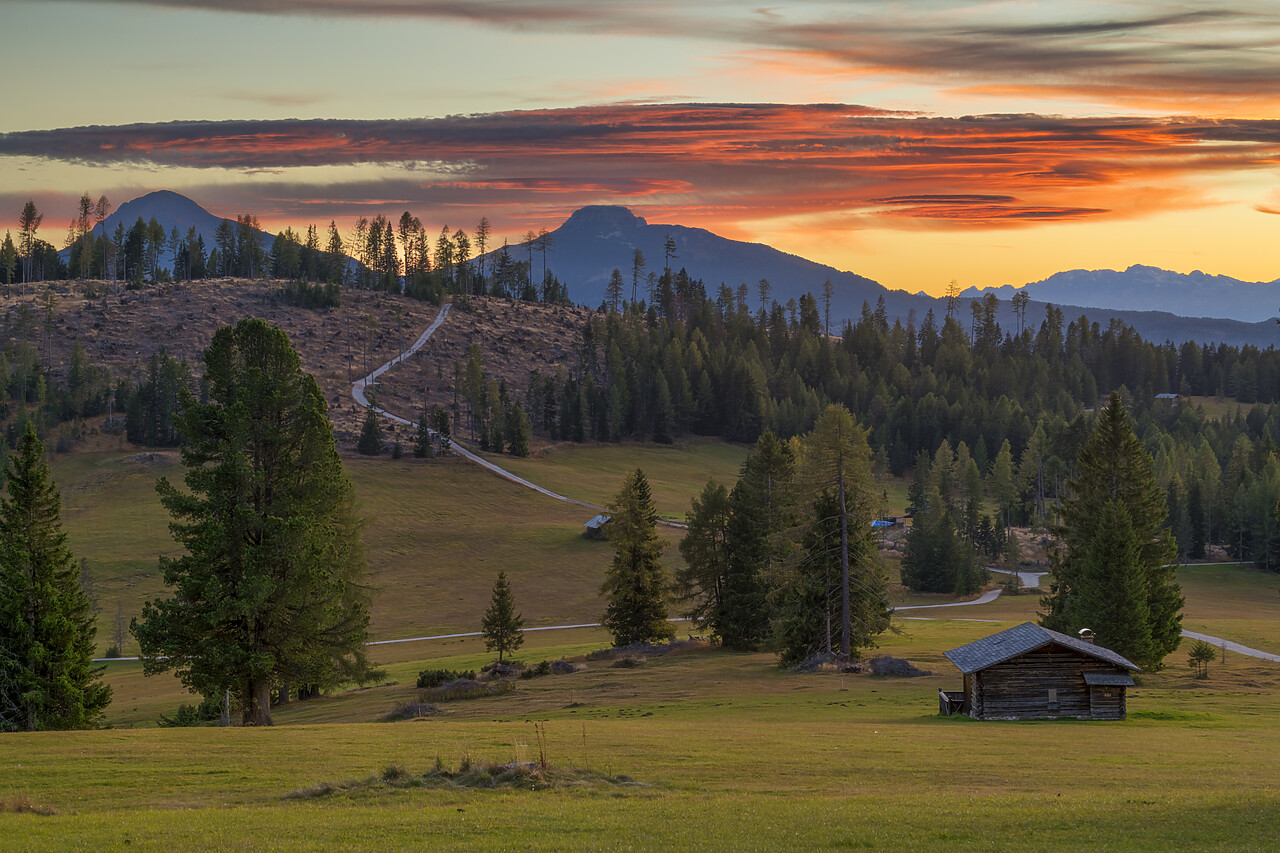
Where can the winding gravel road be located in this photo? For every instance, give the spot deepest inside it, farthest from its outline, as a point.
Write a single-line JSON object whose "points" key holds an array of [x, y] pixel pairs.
{"points": [[1028, 579], [358, 394]]}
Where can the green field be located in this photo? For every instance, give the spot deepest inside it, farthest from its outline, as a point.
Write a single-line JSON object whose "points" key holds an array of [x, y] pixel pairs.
{"points": [[594, 473], [728, 752]]}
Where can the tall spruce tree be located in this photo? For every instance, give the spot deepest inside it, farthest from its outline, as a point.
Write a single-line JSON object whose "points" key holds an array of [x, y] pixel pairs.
{"points": [[813, 602], [269, 592], [636, 581], [763, 512], [701, 581], [1115, 475], [47, 678], [503, 628]]}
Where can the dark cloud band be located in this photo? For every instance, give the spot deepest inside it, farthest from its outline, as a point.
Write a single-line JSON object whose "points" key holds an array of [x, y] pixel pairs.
{"points": [[757, 161]]}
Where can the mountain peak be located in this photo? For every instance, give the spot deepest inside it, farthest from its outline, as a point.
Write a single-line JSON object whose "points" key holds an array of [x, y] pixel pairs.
{"points": [[608, 217]]}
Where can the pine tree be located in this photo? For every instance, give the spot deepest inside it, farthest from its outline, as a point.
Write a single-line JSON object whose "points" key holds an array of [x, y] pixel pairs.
{"points": [[1112, 587], [370, 443], [762, 512], [705, 548], [422, 436], [269, 592], [47, 678], [636, 581], [813, 602], [1114, 467], [503, 628], [519, 432]]}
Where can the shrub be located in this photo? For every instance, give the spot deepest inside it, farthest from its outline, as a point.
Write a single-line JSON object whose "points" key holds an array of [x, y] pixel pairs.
{"points": [[886, 665], [537, 671], [414, 710], [191, 715], [436, 677], [465, 688]]}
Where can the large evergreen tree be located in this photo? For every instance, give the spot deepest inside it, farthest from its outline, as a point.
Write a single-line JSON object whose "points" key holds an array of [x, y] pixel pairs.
{"points": [[762, 513], [269, 592], [47, 678], [503, 628], [702, 580], [1115, 494], [636, 581], [837, 462]]}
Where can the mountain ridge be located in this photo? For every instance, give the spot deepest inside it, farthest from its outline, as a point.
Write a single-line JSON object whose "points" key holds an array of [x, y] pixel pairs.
{"points": [[595, 239], [1193, 295]]}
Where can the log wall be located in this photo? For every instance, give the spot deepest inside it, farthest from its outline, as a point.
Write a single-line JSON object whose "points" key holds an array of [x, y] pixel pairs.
{"points": [[1043, 684]]}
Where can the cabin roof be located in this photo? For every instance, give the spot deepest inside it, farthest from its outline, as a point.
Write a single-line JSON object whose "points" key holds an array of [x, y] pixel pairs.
{"points": [[1021, 639], [596, 523]]}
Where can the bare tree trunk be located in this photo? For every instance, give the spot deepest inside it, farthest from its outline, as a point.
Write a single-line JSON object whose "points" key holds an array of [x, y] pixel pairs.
{"points": [[845, 624], [258, 711]]}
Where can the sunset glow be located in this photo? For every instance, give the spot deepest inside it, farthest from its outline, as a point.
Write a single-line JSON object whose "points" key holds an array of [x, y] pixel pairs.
{"points": [[987, 143]]}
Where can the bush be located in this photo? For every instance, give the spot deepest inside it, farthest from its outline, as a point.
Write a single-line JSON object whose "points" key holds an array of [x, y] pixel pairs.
{"points": [[112, 652], [413, 710], [436, 677], [537, 671], [464, 688], [886, 665], [191, 715]]}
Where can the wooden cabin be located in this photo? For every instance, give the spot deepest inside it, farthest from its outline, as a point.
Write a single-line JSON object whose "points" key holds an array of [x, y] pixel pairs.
{"points": [[1031, 673], [594, 529]]}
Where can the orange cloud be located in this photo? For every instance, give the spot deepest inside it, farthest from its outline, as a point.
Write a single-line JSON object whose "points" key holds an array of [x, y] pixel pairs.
{"points": [[729, 163]]}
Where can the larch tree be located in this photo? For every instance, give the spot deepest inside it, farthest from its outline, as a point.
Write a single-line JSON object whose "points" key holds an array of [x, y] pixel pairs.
{"points": [[636, 580], [637, 271], [836, 459], [613, 290], [47, 677], [269, 592], [502, 627], [1115, 495], [28, 225]]}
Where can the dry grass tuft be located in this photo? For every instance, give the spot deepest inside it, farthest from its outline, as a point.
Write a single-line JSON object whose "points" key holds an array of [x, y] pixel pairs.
{"points": [[22, 804]]}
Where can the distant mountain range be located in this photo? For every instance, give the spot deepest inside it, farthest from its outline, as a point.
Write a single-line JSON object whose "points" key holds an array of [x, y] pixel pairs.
{"points": [[596, 239], [1195, 294]]}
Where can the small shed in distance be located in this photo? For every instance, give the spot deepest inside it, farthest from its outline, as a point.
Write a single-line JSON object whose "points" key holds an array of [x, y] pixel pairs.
{"points": [[1031, 673], [595, 527]]}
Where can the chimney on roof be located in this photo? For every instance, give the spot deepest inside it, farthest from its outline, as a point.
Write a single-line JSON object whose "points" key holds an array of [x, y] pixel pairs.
{"points": [[1086, 635]]}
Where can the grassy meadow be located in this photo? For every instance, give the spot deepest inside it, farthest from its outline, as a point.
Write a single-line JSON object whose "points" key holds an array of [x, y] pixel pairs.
{"points": [[724, 751]]}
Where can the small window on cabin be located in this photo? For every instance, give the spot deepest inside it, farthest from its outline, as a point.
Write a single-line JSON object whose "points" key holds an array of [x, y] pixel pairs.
{"points": [[1053, 695]]}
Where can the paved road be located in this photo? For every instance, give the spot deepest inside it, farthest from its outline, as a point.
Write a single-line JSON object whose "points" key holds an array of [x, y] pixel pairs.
{"points": [[1029, 580], [986, 598], [1232, 647]]}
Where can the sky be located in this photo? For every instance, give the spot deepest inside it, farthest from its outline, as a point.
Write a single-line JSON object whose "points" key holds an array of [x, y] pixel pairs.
{"points": [[915, 142]]}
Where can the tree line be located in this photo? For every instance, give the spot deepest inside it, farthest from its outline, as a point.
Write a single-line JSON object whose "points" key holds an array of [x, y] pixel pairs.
{"points": [[1018, 404], [378, 254]]}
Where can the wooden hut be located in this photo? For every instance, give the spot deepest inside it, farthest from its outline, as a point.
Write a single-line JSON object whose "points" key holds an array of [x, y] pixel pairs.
{"points": [[1031, 673], [594, 529]]}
